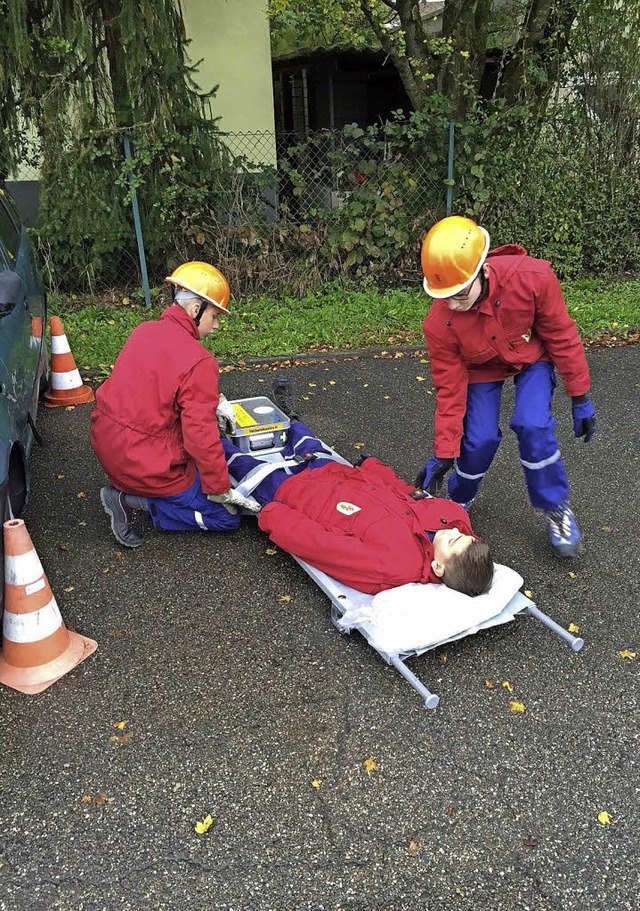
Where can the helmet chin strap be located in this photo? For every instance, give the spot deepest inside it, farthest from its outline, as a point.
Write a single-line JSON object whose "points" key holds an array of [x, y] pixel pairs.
{"points": [[200, 313]]}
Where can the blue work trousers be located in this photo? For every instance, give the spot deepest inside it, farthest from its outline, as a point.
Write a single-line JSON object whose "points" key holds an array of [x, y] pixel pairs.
{"points": [[301, 442], [534, 426]]}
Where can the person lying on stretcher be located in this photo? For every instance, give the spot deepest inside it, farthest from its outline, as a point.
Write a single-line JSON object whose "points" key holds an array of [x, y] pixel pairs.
{"points": [[363, 525]]}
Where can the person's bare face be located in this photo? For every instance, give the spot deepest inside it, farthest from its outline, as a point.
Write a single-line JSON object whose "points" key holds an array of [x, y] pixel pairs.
{"points": [[209, 321], [449, 542], [466, 298]]}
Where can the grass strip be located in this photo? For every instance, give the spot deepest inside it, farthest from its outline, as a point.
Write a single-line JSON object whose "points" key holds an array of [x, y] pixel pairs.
{"points": [[330, 319]]}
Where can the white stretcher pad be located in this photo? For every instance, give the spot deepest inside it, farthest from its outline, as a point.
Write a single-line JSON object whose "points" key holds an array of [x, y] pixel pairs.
{"points": [[408, 620]]}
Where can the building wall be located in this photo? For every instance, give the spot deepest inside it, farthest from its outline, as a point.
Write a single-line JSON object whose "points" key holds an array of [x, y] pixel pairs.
{"points": [[232, 38]]}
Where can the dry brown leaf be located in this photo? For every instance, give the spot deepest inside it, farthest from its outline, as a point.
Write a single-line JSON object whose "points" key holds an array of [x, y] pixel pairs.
{"points": [[285, 598], [358, 445], [118, 555], [81, 495], [63, 547], [530, 841], [606, 527], [572, 575], [414, 848], [69, 588], [450, 811], [442, 659], [490, 685]]}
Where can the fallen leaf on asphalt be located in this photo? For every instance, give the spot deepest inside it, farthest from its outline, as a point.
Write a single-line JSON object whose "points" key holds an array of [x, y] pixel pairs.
{"points": [[490, 685], [386, 396], [574, 628], [203, 825], [517, 707], [421, 379], [606, 527], [70, 408], [117, 555], [366, 386], [99, 800], [121, 738], [271, 551], [450, 811], [312, 385], [572, 575], [530, 841], [604, 819], [105, 570], [69, 588], [59, 476], [370, 765], [316, 783], [285, 598], [82, 523], [120, 725], [414, 848], [625, 653], [358, 445], [423, 360], [63, 547], [80, 495], [332, 382], [507, 685], [442, 659], [528, 593]]}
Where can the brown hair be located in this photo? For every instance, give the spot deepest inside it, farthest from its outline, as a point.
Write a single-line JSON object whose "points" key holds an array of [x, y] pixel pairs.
{"points": [[470, 572]]}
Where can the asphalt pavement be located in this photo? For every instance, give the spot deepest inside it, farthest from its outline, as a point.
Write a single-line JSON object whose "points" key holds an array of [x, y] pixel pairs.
{"points": [[220, 688]]}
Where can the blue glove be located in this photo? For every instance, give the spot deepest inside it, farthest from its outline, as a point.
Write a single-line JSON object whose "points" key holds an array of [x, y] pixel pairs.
{"points": [[431, 477], [584, 417]]}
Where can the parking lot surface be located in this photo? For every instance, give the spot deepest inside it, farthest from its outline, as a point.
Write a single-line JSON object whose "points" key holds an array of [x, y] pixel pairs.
{"points": [[220, 688]]}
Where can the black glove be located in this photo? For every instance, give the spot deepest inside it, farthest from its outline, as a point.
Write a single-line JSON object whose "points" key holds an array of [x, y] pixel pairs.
{"points": [[432, 476], [584, 417]]}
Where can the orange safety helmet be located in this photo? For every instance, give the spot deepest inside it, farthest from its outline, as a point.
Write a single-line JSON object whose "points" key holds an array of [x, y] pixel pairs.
{"points": [[452, 254], [204, 280]]}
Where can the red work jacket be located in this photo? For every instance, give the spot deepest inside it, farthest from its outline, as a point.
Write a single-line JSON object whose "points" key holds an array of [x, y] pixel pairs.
{"points": [[524, 319], [155, 417], [359, 525]]}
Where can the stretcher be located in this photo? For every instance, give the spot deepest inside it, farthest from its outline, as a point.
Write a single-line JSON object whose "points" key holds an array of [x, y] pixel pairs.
{"points": [[409, 620]]}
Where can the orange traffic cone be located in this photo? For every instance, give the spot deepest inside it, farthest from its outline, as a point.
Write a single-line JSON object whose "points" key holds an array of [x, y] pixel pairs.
{"points": [[65, 384], [38, 648]]}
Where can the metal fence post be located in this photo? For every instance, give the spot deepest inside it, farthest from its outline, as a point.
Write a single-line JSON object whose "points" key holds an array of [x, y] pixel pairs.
{"points": [[136, 221], [450, 169]]}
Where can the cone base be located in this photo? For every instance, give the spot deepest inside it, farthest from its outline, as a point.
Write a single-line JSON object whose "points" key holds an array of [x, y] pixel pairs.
{"points": [[54, 398], [33, 680]]}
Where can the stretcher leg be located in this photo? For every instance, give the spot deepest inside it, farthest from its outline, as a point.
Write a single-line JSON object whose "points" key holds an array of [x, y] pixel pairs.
{"points": [[575, 642], [430, 699]]}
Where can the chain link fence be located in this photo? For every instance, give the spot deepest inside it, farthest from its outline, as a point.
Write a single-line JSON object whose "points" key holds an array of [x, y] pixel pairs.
{"points": [[274, 184]]}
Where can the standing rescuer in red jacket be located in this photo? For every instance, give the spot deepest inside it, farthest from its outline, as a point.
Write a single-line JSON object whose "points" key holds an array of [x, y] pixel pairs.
{"points": [[155, 428], [499, 314]]}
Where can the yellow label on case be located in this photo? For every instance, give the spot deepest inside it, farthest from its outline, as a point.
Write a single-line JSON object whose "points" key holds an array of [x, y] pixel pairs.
{"points": [[243, 417]]}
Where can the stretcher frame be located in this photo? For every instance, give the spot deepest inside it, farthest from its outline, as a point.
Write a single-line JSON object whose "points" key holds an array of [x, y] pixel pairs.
{"points": [[343, 597]]}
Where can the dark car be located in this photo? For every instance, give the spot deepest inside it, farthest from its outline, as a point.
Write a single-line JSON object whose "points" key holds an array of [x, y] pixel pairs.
{"points": [[23, 356]]}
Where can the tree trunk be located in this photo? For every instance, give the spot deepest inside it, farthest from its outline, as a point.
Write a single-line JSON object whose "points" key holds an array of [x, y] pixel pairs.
{"points": [[111, 10]]}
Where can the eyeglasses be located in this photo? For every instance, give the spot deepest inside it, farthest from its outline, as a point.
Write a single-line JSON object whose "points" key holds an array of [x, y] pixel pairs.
{"points": [[462, 295]]}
